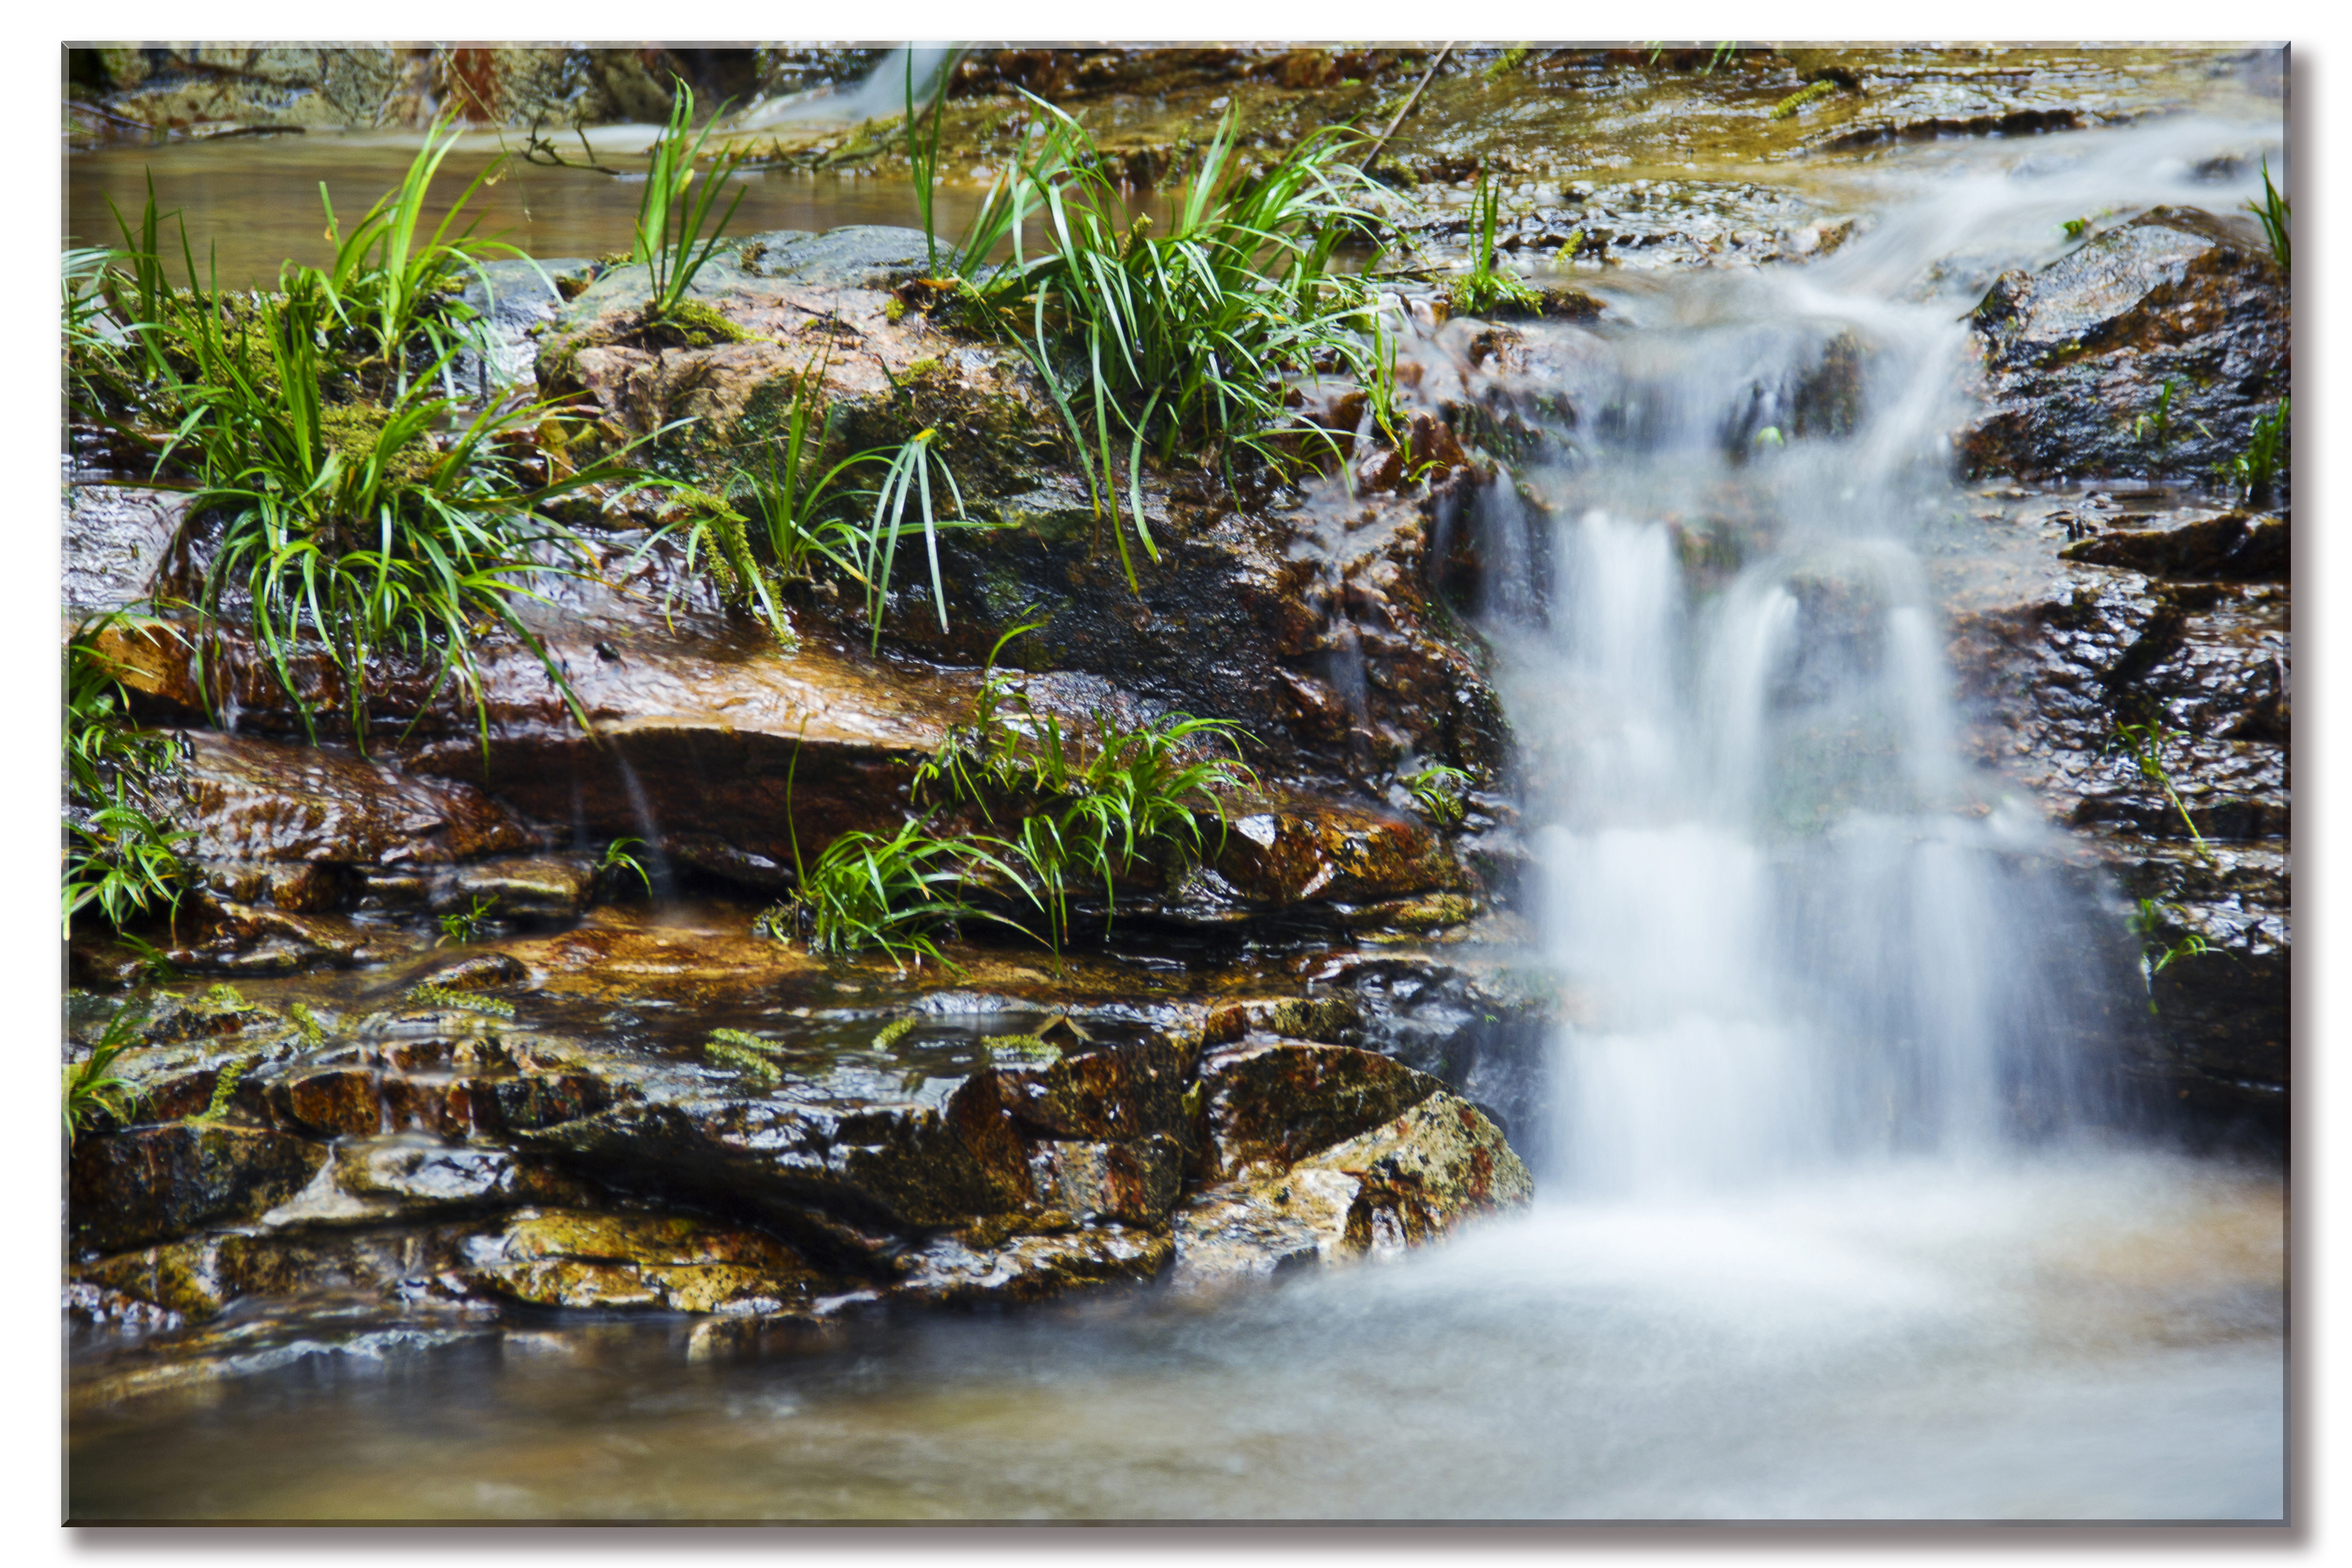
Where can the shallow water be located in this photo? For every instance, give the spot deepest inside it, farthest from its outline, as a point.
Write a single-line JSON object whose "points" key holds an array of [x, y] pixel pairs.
{"points": [[254, 207], [1792, 1259], [2093, 1337]]}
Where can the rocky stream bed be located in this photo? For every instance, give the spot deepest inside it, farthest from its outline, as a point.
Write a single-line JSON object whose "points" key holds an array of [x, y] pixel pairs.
{"points": [[1326, 1040]]}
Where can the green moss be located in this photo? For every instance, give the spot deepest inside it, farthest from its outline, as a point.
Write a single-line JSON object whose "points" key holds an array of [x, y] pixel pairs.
{"points": [[1801, 96], [692, 324], [356, 431], [432, 995], [750, 1064]]}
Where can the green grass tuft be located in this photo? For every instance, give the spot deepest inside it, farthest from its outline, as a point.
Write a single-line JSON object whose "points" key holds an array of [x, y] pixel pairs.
{"points": [[1486, 289]]}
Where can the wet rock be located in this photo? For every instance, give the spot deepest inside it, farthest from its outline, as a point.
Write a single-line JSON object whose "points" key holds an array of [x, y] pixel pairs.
{"points": [[967, 1270], [802, 304], [1483, 1031], [1116, 1092], [559, 1258], [114, 541], [514, 299], [340, 1102], [255, 801], [696, 741], [1267, 1102], [196, 1278], [192, 89], [1134, 1182], [1340, 855], [128, 1188], [1216, 628], [2232, 546], [2074, 354], [1883, 128], [1649, 223], [2051, 681], [539, 888], [834, 1170], [1404, 1182]]}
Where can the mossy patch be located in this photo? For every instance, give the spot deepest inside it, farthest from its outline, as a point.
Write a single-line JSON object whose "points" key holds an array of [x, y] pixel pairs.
{"points": [[690, 324]]}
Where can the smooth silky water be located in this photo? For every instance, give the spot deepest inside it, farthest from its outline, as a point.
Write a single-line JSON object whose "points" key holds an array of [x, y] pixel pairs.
{"points": [[1835, 1222]]}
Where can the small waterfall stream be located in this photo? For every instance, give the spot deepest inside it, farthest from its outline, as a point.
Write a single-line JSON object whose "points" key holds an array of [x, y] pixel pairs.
{"points": [[1797, 927], [1831, 1220]]}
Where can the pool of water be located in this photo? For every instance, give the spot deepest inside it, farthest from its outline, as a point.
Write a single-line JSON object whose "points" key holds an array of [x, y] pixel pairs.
{"points": [[2095, 1336]]}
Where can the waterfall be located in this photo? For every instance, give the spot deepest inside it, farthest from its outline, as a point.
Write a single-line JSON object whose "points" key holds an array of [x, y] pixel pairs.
{"points": [[882, 94], [1797, 928]]}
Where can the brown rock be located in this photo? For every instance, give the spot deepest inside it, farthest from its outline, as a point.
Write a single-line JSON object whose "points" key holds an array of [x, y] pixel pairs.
{"points": [[1405, 1183], [150, 1183], [1267, 1103], [559, 1258]]}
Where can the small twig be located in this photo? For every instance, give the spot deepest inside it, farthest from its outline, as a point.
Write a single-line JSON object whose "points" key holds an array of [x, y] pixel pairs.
{"points": [[1412, 99]]}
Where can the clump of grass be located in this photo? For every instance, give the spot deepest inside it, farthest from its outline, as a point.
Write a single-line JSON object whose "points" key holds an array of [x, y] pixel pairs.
{"points": [[1144, 794], [339, 509], [2145, 745], [801, 521], [675, 234], [1439, 791], [2153, 924], [2155, 427], [1182, 340], [895, 894], [362, 530], [122, 855], [459, 926], [2275, 213], [618, 862], [2253, 470], [92, 1088], [1486, 287], [398, 288]]}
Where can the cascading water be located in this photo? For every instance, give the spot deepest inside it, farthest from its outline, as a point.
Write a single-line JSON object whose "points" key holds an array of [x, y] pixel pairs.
{"points": [[1798, 925], [1801, 932], [1829, 1225]]}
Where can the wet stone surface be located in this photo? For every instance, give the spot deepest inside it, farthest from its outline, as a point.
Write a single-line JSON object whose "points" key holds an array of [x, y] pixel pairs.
{"points": [[2171, 620]]}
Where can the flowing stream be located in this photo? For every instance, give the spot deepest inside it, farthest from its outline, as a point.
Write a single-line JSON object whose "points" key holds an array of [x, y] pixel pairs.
{"points": [[1833, 1223]]}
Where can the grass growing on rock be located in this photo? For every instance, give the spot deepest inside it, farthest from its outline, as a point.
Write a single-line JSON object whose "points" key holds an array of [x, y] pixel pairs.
{"points": [[1070, 816], [1486, 287], [342, 508], [121, 853], [1182, 340]]}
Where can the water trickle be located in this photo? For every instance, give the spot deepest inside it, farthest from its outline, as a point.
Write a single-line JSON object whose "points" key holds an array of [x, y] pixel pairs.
{"points": [[659, 871]]}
